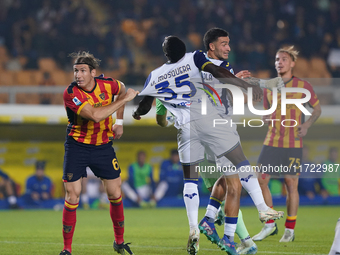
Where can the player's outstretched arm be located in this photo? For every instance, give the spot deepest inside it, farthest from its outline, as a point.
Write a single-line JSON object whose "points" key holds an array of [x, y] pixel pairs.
{"points": [[122, 93], [268, 84], [225, 76], [100, 113], [117, 128], [143, 108]]}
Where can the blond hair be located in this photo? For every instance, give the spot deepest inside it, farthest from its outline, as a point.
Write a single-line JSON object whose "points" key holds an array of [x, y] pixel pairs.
{"points": [[293, 53], [85, 58]]}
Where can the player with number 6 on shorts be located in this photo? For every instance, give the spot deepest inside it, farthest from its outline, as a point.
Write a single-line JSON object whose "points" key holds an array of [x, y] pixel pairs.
{"points": [[89, 102]]}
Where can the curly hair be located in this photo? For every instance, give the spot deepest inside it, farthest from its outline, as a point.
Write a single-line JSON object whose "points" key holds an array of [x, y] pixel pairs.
{"points": [[212, 35]]}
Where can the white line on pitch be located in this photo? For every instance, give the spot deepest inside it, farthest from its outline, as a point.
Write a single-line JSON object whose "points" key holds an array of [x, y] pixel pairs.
{"points": [[157, 247]]}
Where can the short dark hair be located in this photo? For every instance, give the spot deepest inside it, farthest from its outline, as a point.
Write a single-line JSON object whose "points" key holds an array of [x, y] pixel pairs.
{"points": [[174, 152], [174, 48], [212, 35], [40, 164], [85, 58], [141, 152]]}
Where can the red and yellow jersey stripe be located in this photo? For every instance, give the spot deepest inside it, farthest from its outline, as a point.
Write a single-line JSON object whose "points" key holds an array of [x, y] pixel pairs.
{"points": [[279, 135], [84, 130]]}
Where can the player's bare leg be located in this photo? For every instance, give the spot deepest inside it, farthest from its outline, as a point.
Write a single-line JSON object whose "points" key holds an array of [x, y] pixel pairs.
{"points": [[292, 202], [191, 201]]}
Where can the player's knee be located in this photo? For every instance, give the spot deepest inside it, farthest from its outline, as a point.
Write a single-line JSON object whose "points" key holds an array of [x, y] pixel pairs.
{"points": [[72, 197], [114, 193]]}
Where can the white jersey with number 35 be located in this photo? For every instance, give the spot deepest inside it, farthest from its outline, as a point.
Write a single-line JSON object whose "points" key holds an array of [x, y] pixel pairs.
{"points": [[180, 87]]}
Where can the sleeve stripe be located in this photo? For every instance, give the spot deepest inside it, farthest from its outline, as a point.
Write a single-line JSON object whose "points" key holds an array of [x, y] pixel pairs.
{"points": [[317, 102], [81, 107], [205, 64]]}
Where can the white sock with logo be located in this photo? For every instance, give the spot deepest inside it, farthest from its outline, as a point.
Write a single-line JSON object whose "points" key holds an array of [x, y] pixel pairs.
{"points": [[191, 200], [251, 184]]}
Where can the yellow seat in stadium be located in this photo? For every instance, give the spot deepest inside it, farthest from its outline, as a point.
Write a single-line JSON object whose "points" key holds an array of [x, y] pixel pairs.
{"points": [[319, 69], [24, 78], [7, 78], [302, 68], [47, 64]]}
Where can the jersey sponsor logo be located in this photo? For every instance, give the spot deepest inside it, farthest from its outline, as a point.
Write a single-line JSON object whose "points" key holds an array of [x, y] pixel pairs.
{"points": [[183, 104], [76, 101], [191, 196]]}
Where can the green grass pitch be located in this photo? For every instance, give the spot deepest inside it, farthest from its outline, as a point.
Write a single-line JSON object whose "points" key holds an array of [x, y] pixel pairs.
{"points": [[153, 231]]}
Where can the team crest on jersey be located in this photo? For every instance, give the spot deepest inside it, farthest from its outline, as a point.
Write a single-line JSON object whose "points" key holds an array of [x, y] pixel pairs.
{"points": [[67, 229], [76, 101], [69, 176], [102, 96]]}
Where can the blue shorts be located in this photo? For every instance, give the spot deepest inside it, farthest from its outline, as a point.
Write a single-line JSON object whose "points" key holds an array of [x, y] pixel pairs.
{"points": [[101, 159], [280, 161]]}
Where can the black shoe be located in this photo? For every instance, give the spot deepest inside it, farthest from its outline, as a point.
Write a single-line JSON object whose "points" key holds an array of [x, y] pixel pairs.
{"points": [[65, 252], [121, 248]]}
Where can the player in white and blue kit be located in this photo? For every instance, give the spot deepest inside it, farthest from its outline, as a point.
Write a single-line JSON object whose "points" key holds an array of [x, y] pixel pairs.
{"points": [[216, 42], [171, 83]]}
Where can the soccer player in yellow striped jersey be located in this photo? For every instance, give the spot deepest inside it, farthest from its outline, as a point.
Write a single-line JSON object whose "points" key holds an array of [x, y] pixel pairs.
{"points": [[283, 144], [89, 102]]}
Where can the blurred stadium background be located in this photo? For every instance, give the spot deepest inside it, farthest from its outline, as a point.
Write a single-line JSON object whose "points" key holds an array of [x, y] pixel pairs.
{"points": [[36, 37]]}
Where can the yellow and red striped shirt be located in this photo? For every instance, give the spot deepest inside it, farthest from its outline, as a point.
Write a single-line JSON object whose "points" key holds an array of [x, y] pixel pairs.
{"points": [[279, 135], [75, 98]]}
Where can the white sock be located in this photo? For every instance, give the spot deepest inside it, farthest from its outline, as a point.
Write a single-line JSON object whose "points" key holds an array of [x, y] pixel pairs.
{"points": [[229, 230], [251, 184], [211, 211], [336, 243], [12, 200], [191, 200], [290, 230]]}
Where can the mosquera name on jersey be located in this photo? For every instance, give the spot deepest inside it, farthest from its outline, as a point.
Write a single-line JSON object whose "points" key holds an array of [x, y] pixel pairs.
{"points": [[285, 136], [75, 98], [179, 86]]}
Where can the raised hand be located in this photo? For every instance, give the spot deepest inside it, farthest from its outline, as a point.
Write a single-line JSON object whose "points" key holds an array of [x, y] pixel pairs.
{"points": [[243, 74]]}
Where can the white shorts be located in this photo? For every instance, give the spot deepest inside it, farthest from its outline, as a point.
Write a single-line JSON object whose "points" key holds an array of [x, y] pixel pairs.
{"points": [[198, 136]]}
